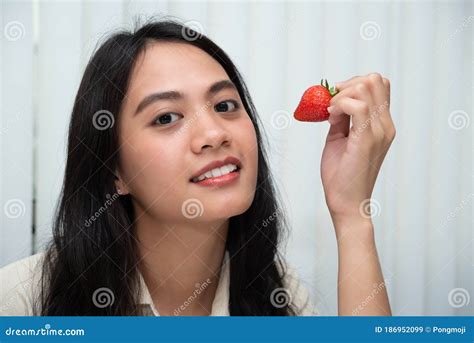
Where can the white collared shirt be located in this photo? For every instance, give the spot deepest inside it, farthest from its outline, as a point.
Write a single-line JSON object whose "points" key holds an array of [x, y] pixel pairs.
{"points": [[19, 285]]}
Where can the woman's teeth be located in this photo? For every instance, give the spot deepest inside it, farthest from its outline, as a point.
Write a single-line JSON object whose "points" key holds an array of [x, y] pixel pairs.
{"points": [[228, 168]]}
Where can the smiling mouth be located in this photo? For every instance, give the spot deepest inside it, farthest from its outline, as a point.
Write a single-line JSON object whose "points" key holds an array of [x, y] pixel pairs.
{"points": [[217, 175]]}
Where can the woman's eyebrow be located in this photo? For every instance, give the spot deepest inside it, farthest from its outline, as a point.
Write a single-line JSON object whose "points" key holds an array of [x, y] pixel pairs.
{"points": [[221, 85], [176, 95]]}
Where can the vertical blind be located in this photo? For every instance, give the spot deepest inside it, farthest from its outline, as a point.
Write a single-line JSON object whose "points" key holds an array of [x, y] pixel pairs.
{"points": [[422, 203]]}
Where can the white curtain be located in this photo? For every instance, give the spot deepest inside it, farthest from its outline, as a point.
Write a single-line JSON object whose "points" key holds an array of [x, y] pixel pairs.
{"points": [[423, 199]]}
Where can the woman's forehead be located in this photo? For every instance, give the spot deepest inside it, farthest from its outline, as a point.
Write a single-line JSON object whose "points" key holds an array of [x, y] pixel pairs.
{"points": [[173, 64]]}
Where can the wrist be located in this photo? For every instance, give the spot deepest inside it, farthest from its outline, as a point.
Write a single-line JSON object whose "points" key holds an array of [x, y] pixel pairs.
{"points": [[353, 227], [350, 220]]}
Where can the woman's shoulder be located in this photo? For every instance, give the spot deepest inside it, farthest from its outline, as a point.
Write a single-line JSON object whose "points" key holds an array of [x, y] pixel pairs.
{"points": [[295, 292], [19, 281]]}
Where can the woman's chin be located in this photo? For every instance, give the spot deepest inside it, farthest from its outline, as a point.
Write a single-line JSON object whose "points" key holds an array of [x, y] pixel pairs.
{"points": [[222, 212]]}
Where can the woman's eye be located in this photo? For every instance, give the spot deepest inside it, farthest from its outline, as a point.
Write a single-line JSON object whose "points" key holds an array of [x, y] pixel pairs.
{"points": [[226, 106], [165, 119]]}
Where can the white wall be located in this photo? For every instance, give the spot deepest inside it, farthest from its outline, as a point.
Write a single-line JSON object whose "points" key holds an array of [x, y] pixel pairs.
{"points": [[17, 141], [424, 194]]}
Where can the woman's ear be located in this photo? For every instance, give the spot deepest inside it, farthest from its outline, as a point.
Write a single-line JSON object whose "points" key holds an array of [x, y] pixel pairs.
{"points": [[120, 186]]}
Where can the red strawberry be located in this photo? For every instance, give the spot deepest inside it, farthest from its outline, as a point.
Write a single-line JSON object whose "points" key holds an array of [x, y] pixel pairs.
{"points": [[314, 103]]}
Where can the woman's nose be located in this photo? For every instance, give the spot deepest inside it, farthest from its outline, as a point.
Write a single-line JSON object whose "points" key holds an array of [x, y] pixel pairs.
{"points": [[208, 132]]}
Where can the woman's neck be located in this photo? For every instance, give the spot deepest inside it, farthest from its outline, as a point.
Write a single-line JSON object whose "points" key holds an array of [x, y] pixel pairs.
{"points": [[177, 259]]}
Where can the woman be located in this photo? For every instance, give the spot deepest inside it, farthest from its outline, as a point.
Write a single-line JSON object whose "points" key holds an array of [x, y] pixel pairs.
{"points": [[167, 187]]}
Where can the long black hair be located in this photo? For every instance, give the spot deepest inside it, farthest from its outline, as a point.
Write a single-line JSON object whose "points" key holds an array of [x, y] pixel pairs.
{"points": [[89, 252]]}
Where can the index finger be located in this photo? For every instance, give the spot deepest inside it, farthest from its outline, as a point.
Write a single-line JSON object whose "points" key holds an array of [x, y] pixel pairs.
{"points": [[371, 78], [344, 84]]}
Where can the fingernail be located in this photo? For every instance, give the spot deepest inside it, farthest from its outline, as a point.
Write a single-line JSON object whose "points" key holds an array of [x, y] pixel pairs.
{"points": [[330, 109]]}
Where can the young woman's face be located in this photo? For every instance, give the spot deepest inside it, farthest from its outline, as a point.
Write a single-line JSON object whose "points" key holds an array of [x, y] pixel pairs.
{"points": [[166, 140]]}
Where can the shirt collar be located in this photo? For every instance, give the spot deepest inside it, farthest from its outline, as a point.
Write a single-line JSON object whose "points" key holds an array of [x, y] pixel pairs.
{"points": [[220, 304]]}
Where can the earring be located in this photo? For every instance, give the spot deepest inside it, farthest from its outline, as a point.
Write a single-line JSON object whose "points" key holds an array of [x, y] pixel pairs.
{"points": [[119, 191]]}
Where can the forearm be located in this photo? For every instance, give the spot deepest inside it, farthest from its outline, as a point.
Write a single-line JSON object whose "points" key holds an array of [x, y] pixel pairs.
{"points": [[361, 287]]}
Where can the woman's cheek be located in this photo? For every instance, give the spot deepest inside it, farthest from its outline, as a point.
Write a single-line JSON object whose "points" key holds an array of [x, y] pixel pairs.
{"points": [[250, 151], [252, 148], [149, 170]]}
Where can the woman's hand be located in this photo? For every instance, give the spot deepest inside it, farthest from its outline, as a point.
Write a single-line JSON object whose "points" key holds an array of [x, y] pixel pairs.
{"points": [[353, 154], [350, 164]]}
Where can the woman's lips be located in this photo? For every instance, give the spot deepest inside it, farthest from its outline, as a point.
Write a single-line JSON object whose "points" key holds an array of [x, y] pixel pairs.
{"points": [[217, 164], [222, 180]]}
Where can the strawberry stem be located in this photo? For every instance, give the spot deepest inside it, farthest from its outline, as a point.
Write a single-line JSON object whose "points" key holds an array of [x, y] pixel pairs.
{"points": [[333, 90]]}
